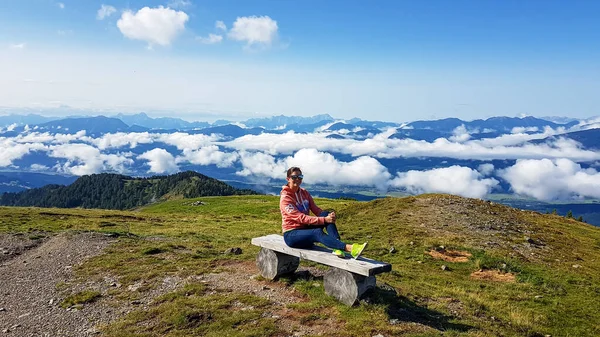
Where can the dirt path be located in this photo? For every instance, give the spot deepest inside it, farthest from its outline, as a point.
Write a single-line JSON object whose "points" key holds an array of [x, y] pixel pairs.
{"points": [[30, 271]]}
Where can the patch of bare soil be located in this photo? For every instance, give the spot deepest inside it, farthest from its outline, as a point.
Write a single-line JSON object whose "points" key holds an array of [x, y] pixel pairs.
{"points": [[450, 255], [29, 275], [493, 275], [243, 277]]}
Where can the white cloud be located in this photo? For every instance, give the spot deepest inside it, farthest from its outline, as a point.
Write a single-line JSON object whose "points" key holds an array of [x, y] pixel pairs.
{"points": [[105, 11], [16, 46], [61, 5], [184, 140], [120, 139], [84, 159], [179, 4], [160, 161], [318, 167], [457, 180], [211, 39], [261, 164], [486, 169], [208, 155], [220, 25], [38, 167], [154, 25], [523, 129], [12, 151], [547, 179], [254, 30], [46, 137], [460, 134]]}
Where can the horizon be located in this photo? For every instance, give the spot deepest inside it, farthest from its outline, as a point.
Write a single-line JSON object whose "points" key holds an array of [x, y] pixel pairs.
{"points": [[212, 119], [391, 61]]}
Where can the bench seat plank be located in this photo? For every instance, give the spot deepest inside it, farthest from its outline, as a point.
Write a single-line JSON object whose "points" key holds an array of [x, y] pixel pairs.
{"points": [[361, 266]]}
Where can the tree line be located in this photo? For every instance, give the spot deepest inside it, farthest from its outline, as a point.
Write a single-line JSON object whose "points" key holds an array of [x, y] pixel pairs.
{"points": [[115, 191]]}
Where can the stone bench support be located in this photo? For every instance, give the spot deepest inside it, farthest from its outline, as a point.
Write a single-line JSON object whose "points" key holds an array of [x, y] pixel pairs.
{"points": [[273, 264]]}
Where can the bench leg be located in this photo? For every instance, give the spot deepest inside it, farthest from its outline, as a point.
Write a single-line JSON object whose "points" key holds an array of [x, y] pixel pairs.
{"points": [[347, 287], [274, 264]]}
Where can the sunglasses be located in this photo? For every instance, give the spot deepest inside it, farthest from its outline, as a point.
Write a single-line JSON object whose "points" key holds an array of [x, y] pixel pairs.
{"points": [[295, 177]]}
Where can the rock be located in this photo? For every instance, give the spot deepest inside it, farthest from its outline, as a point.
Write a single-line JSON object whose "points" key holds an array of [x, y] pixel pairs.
{"points": [[538, 296], [51, 302], [392, 250], [528, 239], [576, 266], [6, 330], [136, 302], [233, 251], [394, 321], [378, 335], [445, 268], [2, 309], [135, 287], [411, 243]]}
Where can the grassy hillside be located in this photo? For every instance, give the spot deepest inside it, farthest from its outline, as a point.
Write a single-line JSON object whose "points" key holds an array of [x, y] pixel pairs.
{"points": [[523, 273], [115, 191]]}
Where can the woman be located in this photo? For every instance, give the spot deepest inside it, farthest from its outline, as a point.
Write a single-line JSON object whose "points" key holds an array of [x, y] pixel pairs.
{"points": [[300, 230]]}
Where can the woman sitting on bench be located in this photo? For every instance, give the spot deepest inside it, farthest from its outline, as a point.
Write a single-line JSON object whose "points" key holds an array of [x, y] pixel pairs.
{"points": [[300, 230]]}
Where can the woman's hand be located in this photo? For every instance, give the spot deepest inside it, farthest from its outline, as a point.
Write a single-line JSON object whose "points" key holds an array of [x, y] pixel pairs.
{"points": [[330, 218]]}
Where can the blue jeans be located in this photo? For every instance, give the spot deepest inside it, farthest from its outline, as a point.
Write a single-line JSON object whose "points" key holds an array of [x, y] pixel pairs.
{"points": [[306, 237]]}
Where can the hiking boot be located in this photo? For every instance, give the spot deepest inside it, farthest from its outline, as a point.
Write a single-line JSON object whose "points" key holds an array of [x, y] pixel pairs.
{"points": [[339, 253], [357, 249]]}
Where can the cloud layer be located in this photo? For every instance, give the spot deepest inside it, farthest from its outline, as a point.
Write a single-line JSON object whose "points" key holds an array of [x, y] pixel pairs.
{"points": [[544, 170]]}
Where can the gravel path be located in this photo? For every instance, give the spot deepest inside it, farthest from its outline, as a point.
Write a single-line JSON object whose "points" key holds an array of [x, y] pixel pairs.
{"points": [[30, 271]]}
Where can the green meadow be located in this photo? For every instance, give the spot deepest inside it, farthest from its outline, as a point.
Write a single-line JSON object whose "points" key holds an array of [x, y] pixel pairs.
{"points": [[554, 263]]}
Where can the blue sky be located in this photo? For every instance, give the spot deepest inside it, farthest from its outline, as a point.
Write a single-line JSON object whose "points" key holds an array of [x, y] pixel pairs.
{"points": [[386, 60]]}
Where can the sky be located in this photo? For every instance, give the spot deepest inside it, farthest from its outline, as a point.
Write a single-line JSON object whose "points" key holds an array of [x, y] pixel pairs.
{"points": [[387, 60]]}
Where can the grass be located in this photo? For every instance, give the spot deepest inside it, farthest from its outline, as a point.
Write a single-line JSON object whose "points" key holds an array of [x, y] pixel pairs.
{"points": [[176, 239], [86, 296]]}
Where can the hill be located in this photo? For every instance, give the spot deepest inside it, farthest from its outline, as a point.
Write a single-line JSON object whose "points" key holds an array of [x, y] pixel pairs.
{"points": [[114, 191], [589, 139], [461, 267], [20, 181]]}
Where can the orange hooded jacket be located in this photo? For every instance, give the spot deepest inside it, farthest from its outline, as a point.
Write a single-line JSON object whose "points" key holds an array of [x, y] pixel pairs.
{"points": [[295, 208]]}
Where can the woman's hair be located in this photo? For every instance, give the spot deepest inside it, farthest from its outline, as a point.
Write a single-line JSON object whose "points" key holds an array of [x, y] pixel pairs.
{"points": [[292, 169]]}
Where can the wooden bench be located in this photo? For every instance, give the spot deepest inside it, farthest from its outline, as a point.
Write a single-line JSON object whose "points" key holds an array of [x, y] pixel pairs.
{"points": [[348, 279]]}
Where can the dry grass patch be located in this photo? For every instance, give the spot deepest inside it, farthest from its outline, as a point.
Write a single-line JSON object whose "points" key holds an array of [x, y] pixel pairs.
{"points": [[450, 255], [493, 275]]}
